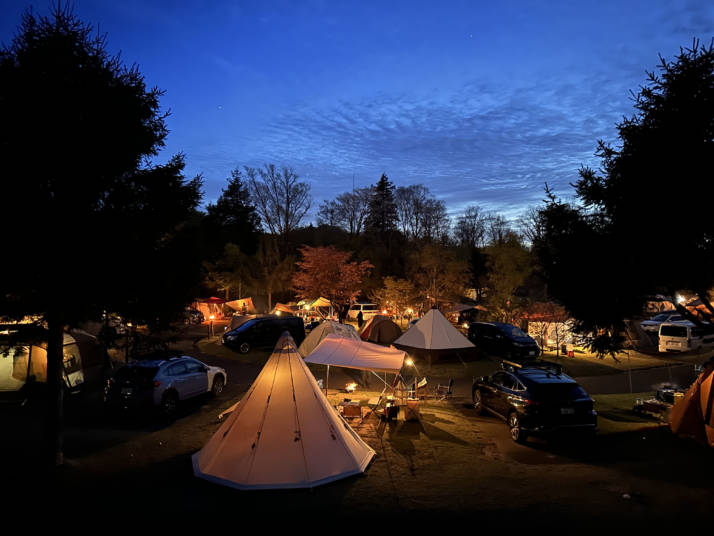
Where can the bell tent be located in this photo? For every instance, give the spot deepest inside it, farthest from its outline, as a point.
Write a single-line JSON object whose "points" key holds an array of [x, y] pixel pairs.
{"points": [[283, 433], [323, 330], [433, 333], [381, 330]]}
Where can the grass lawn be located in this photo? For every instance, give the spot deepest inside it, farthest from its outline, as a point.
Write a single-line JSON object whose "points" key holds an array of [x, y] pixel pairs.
{"points": [[615, 414], [588, 364]]}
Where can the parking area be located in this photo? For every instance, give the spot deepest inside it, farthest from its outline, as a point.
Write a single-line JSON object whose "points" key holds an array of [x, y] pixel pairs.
{"points": [[450, 461]]}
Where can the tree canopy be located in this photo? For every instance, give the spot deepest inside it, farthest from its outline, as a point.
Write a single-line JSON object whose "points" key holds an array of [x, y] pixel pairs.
{"points": [[95, 223], [660, 170]]}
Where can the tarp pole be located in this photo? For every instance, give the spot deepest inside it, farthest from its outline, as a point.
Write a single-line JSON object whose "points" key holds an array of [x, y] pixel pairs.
{"points": [[327, 380]]}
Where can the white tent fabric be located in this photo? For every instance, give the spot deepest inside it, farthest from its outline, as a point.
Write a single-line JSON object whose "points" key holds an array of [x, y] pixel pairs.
{"points": [[433, 332], [283, 433], [357, 354], [323, 330]]}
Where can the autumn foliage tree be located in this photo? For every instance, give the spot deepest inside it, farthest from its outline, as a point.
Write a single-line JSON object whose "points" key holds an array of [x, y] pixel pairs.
{"points": [[328, 272]]}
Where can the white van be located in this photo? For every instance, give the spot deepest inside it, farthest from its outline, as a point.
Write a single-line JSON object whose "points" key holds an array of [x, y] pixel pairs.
{"points": [[684, 336], [368, 311]]}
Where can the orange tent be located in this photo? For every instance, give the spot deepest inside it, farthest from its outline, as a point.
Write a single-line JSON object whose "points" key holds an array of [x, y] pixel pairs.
{"points": [[692, 415]]}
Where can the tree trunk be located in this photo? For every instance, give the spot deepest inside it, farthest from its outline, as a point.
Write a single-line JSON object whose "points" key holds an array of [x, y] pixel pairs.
{"points": [[54, 424], [707, 304]]}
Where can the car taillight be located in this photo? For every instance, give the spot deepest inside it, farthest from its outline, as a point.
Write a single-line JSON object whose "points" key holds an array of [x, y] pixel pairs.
{"points": [[157, 384], [531, 402]]}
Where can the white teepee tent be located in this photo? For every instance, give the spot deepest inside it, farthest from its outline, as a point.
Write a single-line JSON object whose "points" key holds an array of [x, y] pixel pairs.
{"points": [[323, 330], [283, 433], [433, 332]]}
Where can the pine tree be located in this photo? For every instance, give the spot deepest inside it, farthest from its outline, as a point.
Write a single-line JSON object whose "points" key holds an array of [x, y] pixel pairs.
{"points": [[382, 217]]}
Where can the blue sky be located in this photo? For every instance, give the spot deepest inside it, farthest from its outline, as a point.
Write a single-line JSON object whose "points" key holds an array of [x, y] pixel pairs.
{"points": [[483, 102]]}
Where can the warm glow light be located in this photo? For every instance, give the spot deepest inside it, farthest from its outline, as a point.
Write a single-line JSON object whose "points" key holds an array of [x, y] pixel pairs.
{"points": [[212, 317], [465, 325], [351, 387], [410, 311], [679, 298], [277, 313], [384, 311], [408, 362]]}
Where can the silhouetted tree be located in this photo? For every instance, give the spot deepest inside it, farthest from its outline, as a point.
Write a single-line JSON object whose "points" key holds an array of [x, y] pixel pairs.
{"points": [[280, 198], [382, 215], [662, 166], [233, 218], [91, 222]]}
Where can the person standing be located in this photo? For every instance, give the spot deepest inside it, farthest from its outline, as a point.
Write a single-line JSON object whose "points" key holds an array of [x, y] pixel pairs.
{"points": [[360, 319]]}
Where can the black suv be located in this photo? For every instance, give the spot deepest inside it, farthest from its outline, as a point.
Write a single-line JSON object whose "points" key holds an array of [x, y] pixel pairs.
{"points": [[535, 397], [502, 340], [264, 332]]}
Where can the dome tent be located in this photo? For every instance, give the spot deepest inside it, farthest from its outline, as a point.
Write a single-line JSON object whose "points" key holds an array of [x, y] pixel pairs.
{"points": [[323, 330], [381, 330], [283, 433]]}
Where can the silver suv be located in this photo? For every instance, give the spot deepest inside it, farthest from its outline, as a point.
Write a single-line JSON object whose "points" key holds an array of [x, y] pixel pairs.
{"points": [[162, 383]]}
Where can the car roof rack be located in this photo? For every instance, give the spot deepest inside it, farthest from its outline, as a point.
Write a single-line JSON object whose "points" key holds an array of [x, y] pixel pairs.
{"points": [[512, 366]]}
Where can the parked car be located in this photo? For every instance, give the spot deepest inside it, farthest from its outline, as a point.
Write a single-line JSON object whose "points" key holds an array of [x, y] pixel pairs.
{"points": [[684, 337], [535, 398], [264, 332], [368, 311], [193, 316], [652, 325], [502, 340], [162, 383]]}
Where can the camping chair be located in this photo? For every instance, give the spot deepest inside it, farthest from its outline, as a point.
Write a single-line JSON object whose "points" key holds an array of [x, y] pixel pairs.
{"points": [[442, 392], [420, 389]]}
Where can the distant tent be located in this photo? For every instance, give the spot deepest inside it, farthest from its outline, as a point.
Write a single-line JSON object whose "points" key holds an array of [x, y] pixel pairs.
{"points": [[692, 415], [323, 330], [380, 329], [284, 308], [356, 354], [433, 332], [283, 433], [244, 305], [210, 306]]}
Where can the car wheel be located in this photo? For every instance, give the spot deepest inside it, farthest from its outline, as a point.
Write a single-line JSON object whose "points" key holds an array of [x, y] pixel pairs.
{"points": [[217, 387], [517, 433], [169, 404], [478, 403], [244, 348]]}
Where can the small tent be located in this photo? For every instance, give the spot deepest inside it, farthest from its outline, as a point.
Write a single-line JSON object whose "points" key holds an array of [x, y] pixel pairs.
{"points": [[380, 329], [323, 330], [433, 332], [283, 433], [692, 415]]}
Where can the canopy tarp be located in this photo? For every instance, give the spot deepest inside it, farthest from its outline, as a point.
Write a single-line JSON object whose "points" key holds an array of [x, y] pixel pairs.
{"points": [[693, 415], [285, 308], [323, 330], [244, 305], [461, 307], [283, 433], [321, 302], [433, 332], [380, 329], [356, 354]]}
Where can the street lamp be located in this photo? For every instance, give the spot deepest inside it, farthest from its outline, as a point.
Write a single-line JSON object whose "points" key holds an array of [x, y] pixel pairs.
{"points": [[210, 326]]}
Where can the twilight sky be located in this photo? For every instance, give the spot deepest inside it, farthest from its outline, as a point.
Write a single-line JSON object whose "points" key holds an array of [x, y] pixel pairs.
{"points": [[483, 102]]}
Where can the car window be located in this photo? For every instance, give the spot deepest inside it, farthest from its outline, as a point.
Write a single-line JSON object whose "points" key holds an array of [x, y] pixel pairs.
{"points": [[673, 331], [508, 382], [194, 366], [369, 308], [512, 331], [355, 308], [177, 369], [498, 378]]}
